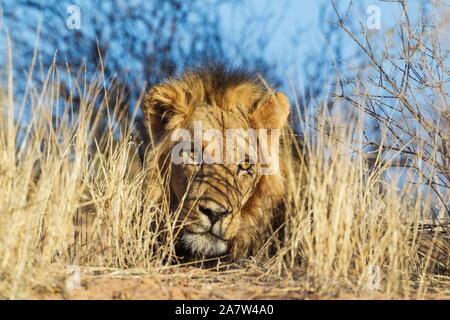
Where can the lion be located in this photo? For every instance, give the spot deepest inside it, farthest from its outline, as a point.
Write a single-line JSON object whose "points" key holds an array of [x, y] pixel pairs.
{"points": [[227, 209]]}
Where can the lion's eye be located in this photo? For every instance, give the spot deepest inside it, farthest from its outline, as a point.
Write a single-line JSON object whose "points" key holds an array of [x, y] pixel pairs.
{"points": [[246, 167], [195, 158], [190, 158]]}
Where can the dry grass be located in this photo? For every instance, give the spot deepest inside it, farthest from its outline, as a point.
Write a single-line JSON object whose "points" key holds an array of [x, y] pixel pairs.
{"points": [[73, 195], [347, 231]]}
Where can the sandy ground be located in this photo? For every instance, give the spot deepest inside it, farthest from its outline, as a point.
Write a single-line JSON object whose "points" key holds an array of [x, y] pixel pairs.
{"points": [[190, 283], [147, 288], [195, 283]]}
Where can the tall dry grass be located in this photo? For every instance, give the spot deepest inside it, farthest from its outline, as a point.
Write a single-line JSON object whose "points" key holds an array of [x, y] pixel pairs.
{"points": [[70, 195], [348, 228], [71, 188]]}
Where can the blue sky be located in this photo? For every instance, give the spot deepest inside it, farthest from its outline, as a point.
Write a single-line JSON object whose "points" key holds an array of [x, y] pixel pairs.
{"points": [[290, 20], [300, 21], [295, 31]]}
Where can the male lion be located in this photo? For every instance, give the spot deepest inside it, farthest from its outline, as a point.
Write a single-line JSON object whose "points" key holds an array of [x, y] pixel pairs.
{"points": [[226, 208]]}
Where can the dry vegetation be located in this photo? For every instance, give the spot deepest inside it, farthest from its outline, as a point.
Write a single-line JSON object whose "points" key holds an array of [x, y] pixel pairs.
{"points": [[70, 198]]}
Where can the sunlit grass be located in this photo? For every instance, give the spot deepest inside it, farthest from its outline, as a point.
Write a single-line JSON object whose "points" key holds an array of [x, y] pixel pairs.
{"points": [[74, 194]]}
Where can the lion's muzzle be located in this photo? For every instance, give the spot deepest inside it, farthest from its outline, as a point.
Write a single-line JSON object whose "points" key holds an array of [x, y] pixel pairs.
{"points": [[206, 235]]}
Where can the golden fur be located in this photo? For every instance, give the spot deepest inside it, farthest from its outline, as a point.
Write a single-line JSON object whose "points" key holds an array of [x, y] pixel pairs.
{"points": [[243, 202]]}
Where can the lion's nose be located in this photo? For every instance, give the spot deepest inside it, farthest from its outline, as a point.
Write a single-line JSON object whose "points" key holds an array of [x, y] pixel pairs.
{"points": [[213, 211]]}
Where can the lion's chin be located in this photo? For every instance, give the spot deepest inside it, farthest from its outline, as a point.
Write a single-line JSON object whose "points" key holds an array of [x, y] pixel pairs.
{"points": [[204, 245]]}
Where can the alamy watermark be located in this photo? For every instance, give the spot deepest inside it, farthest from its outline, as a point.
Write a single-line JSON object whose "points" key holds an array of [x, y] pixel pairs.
{"points": [[373, 21], [73, 280], [73, 21], [232, 146], [373, 278]]}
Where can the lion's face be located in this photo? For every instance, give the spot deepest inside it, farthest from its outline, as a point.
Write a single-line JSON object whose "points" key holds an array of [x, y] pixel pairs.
{"points": [[213, 193], [222, 195]]}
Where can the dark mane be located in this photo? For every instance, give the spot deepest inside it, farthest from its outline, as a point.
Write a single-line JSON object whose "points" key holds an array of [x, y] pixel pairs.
{"points": [[218, 81], [221, 77]]}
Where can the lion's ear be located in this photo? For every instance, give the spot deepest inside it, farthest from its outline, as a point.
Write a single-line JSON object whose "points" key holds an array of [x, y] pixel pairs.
{"points": [[165, 108], [271, 111]]}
